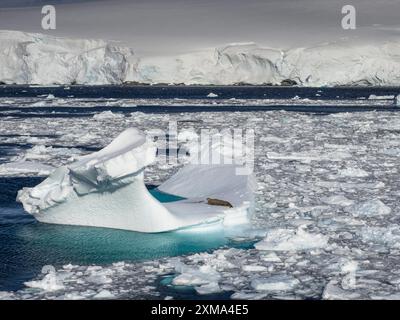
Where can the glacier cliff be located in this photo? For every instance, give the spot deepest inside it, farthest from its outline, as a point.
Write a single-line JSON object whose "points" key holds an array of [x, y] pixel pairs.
{"points": [[27, 58], [41, 59]]}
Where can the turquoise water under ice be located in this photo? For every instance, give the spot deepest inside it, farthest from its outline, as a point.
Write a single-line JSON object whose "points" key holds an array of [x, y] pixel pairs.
{"points": [[27, 245]]}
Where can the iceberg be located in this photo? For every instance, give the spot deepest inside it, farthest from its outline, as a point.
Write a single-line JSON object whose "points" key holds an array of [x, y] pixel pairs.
{"points": [[106, 189], [29, 58]]}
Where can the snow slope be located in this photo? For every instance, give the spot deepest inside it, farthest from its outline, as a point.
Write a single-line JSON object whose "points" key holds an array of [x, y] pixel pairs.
{"points": [[39, 59]]}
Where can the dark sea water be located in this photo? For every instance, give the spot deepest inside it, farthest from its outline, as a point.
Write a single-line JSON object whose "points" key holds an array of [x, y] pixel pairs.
{"points": [[26, 245]]}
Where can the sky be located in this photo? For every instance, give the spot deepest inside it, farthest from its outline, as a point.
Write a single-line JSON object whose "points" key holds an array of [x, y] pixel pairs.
{"points": [[161, 27]]}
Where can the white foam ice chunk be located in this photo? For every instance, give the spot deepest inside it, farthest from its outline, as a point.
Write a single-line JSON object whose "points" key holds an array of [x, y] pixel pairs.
{"points": [[353, 172], [388, 236], [244, 295], [369, 208], [105, 115], [212, 95], [25, 168], [375, 97], [209, 288], [333, 291], [394, 296], [50, 282], [204, 278], [308, 156], [30, 58], [275, 283], [397, 100], [254, 268], [4, 295], [104, 294], [271, 257], [339, 200], [291, 240], [106, 189]]}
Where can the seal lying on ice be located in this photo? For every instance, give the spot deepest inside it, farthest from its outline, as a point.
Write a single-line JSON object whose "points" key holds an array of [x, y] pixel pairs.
{"points": [[218, 202]]}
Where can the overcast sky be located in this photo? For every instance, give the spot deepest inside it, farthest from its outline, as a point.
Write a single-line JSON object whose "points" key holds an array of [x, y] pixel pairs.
{"points": [[171, 26]]}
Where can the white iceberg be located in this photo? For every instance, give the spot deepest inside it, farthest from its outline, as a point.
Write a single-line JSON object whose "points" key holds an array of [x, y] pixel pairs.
{"points": [[106, 189]]}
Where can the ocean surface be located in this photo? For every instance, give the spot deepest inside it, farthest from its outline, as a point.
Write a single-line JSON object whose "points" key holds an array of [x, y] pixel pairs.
{"points": [[44, 127]]}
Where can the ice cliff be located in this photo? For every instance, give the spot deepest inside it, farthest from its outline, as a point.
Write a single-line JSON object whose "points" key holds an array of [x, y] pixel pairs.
{"points": [[40, 59], [27, 58]]}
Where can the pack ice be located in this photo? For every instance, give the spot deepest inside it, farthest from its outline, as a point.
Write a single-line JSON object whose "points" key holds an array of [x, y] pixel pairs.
{"points": [[106, 189], [27, 58]]}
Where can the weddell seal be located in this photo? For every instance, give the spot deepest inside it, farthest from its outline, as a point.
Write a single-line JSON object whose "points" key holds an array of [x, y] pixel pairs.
{"points": [[217, 202]]}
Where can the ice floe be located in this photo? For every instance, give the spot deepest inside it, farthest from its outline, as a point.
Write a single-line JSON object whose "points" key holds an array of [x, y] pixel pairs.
{"points": [[288, 240]]}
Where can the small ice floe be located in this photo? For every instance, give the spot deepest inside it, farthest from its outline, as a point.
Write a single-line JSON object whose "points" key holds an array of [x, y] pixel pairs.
{"points": [[291, 240], [353, 172], [104, 294], [108, 115], [204, 278], [333, 291], [388, 236], [275, 283], [271, 257], [254, 268], [79, 193], [50, 282], [212, 95], [370, 208], [397, 100], [375, 97], [339, 200], [50, 97], [25, 168]]}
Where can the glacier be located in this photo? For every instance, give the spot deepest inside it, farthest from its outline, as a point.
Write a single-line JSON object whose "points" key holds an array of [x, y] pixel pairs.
{"points": [[107, 189], [28, 58]]}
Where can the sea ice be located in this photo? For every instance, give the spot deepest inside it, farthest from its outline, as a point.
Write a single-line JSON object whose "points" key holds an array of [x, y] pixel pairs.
{"points": [[289, 240], [369, 208], [275, 283]]}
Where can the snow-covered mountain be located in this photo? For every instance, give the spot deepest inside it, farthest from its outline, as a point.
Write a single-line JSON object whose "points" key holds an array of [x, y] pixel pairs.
{"points": [[40, 59]]}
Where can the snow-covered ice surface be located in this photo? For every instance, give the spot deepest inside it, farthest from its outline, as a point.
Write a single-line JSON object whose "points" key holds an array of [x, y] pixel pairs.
{"points": [[325, 222], [24, 59]]}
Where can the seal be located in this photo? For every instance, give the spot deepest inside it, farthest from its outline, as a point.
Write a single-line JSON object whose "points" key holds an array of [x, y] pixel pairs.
{"points": [[218, 202]]}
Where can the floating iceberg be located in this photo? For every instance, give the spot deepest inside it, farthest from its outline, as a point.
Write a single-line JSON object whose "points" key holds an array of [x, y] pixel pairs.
{"points": [[106, 189]]}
